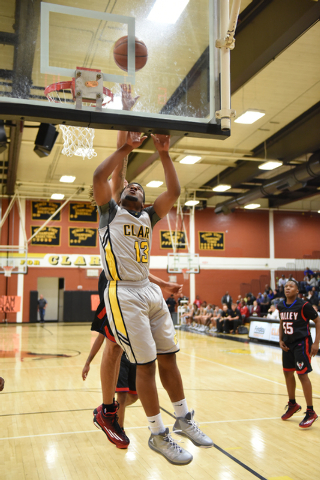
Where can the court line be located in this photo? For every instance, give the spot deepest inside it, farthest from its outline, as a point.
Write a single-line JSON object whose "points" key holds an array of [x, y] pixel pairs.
{"points": [[137, 428], [241, 371], [243, 465]]}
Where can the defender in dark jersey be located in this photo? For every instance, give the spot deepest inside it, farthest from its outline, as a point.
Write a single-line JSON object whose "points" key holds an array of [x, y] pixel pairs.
{"points": [[297, 349]]}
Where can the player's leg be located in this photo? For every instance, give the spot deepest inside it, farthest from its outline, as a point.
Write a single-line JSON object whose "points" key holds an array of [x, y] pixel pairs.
{"points": [[167, 345], [126, 387], [288, 371], [303, 366], [109, 371]]}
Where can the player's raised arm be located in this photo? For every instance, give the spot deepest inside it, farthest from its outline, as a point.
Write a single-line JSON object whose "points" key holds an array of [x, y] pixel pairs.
{"points": [[166, 200], [119, 173], [101, 185]]}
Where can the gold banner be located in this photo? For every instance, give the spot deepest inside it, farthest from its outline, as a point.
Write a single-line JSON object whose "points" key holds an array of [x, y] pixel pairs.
{"points": [[44, 210], [83, 212], [82, 237], [165, 239], [48, 236], [211, 241]]}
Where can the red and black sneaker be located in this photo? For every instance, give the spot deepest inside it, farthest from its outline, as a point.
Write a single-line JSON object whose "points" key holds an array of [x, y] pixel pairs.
{"points": [[108, 423], [291, 410], [308, 420], [99, 409]]}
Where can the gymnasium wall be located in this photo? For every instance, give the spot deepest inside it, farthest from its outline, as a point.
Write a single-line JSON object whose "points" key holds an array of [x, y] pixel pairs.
{"points": [[246, 236]]}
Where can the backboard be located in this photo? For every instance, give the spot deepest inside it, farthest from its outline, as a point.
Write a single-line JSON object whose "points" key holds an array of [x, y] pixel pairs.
{"points": [[178, 88], [183, 263], [14, 256]]}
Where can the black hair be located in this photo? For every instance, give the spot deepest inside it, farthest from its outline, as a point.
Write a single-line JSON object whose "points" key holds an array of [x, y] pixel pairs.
{"points": [[134, 183], [295, 282]]}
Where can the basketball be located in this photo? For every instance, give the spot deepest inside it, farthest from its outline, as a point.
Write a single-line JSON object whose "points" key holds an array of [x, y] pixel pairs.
{"points": [[120, 53]]}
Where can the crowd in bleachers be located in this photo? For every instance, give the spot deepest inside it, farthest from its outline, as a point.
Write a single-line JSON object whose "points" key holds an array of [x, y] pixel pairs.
{"points": [[231, 315]]}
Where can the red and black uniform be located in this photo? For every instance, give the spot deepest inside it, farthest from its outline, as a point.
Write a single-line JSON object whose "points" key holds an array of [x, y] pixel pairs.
{"points": [[127, 374], [296, 335]]}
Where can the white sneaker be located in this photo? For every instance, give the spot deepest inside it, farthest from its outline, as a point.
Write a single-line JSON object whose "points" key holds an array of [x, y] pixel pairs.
{"points": [[164, 444], [187, 427]]}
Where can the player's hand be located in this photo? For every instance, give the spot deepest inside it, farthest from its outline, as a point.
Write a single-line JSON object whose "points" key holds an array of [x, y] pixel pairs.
{"points": [[314, 349], [284, 346], [127, 100], [1, 384], [134, 139], [174, 288], [85, 371], [161, 142]]}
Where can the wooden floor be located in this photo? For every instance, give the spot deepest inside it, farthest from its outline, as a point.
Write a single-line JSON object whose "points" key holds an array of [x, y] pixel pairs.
{"points": [[236, 389]]}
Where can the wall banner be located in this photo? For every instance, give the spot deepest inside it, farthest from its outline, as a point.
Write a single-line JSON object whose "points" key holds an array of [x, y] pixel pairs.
{"points": [[10, 304], [82, 237], [165, 239], [83, 212], [211, 241], [48, 237], [44, 210]]}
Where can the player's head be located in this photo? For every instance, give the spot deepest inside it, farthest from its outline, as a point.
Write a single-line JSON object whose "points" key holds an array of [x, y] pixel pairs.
{"points": [[134, 194], [291, 288]]}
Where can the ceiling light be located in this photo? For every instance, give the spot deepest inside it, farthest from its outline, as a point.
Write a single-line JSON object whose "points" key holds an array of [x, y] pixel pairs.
{"points": [[221, 188], [250, 116], [270, 165], [190, 159], [191, 203], [167, 11], [67, 179], [251, 206], [57, 196], [154, 184]]}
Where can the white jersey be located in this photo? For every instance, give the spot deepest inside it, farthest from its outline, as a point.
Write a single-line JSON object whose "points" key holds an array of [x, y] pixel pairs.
{"points": [[125, 241]]}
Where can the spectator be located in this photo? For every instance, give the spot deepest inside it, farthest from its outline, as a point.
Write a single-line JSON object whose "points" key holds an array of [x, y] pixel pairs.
{"points": [[270, 294], [290, 278], [42, 305], [171, 304], [256, 311], [250, 299], [311, 283], [264, 304], [273, 312], [183, 300], [226, 299], [282, 281], [313, 297], [187, 316], [267, 289], [259, 298], [223, 316], [281, 292], [234, 319], [215, 318], [197, 301], [245, 313], [308, 272]]}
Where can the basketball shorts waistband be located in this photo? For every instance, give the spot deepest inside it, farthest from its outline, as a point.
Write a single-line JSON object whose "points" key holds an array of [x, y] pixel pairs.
{"points": [[138, 285]]}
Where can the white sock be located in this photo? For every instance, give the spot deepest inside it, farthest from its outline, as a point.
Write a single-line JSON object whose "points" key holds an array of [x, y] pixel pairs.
{"points": [[180, 408], [156, 424]]}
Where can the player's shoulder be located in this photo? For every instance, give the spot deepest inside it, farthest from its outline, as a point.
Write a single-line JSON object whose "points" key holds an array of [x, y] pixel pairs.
{"points": [[281, 305]]}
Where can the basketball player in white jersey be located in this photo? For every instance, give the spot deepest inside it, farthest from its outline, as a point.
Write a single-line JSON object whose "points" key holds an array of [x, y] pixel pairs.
{"points": [[137, 313]]}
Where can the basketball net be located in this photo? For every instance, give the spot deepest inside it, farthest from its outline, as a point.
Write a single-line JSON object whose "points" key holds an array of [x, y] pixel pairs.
{"points": [[185, 274], [85, 89], [78, 141], [7, 270]]}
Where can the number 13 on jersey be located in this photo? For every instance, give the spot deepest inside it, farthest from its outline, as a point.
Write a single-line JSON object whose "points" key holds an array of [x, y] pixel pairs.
{"points": [[142, 252]]}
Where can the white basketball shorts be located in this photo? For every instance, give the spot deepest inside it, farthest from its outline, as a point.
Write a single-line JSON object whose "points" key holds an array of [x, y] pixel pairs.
{"points": [[140, 320]]}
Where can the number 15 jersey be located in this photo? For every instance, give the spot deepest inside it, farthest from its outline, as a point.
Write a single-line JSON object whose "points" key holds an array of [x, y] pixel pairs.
{"points": [[125, 241], [295, 319]]}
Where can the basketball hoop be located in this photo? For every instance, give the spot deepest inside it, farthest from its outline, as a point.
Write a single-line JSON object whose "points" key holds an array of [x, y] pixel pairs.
{"points": [[85, 89], [185, 273], [7, 270]]}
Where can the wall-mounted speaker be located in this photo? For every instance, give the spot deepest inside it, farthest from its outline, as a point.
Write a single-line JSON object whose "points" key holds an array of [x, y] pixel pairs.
{"points": [[47, 135]]}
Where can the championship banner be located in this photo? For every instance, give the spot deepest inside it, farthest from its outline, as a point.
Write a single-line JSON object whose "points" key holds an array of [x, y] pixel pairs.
{"points": [[83, 212], [211, 241], [82, 237], [44, 210], [165, 239], [10, 304], [47, 237]]}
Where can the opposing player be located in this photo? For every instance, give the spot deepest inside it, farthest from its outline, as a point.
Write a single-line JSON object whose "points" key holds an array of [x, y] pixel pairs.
{"points": [[138, 316], [297, 349]]}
